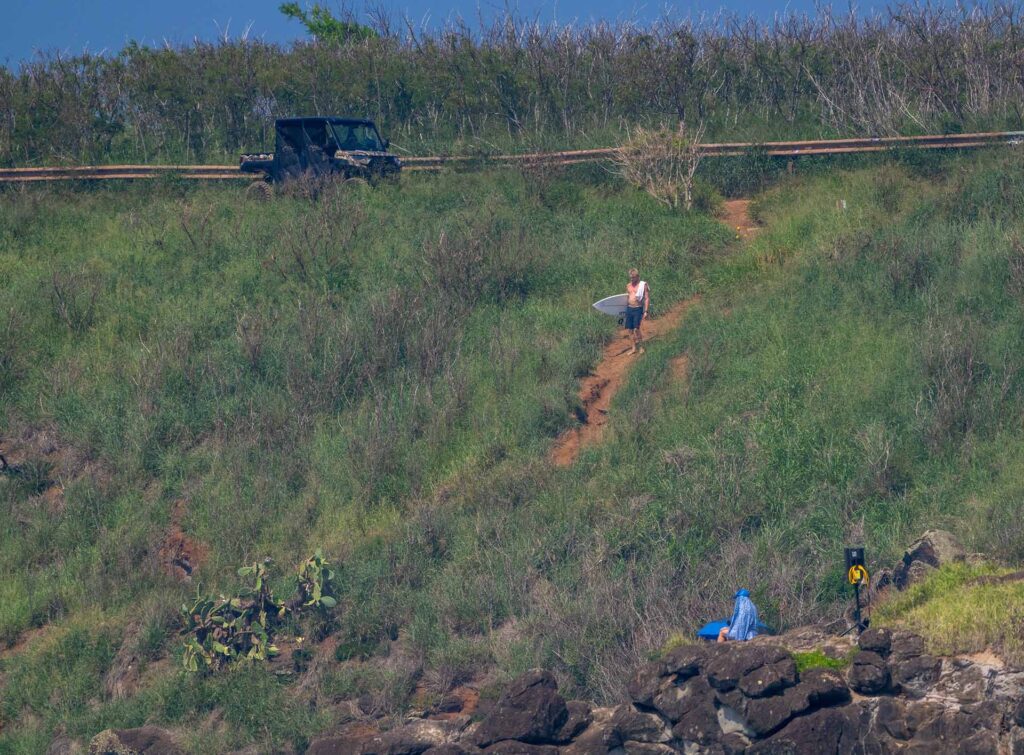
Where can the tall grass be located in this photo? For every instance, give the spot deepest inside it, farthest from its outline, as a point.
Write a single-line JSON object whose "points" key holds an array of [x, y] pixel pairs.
{"points": [[390, 392]]}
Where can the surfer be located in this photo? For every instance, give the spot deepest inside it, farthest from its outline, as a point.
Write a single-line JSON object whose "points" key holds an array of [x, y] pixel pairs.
{"points": [[638, 299]]}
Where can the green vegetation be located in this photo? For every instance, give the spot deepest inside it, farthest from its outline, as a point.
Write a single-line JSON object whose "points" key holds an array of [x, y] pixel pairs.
{"points": [[517, 84], [962, 609], [324, 27], [381, 374], [817, 659]]}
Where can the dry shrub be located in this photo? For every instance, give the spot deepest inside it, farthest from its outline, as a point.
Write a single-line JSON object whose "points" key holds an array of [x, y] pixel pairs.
{"points": [[954, 371], [662, 163], [316, 244], [487, 262], [74, 295]]}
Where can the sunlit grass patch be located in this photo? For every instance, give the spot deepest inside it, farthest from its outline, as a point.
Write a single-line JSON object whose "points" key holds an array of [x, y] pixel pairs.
{"points": [[962, 608]]}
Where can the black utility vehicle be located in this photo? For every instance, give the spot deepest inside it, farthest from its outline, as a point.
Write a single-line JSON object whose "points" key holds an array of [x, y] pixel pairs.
{"points": [[323, 146]]}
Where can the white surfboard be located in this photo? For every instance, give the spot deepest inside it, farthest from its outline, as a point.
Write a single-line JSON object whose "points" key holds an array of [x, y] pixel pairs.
{"points": [[612, 305]]}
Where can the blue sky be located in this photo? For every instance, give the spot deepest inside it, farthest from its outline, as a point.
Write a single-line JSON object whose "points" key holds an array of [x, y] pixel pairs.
{"points": [[74, 25]]}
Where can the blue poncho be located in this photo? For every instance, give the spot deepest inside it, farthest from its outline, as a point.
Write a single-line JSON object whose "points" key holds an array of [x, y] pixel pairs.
{"points": [[743, 624]]}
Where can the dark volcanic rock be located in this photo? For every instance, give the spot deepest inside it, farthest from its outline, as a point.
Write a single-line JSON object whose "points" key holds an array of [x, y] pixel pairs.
{"points": [[147, 740], [891, 717], [769, 679], [766, 714], [411, 739], [646, 748], [868, 673], [684, 661], [674, 702], [646, 683], [639, 727], [577, 721], [599, 737], [336, 745], [876, 640], [511, 747], [915, 675], [531, 710], [454, 748], [933, 549], [737, 659], [831, 730], [825, 687], [699, 721]]}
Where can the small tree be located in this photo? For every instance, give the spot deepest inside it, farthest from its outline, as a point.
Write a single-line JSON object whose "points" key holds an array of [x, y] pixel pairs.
{"points": [[324, 27], [662, 162]]}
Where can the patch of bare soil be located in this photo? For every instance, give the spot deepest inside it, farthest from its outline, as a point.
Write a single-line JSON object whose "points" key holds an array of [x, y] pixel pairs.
{"points": [[680, 367], [737, 217], [599, 388], [179, 554]]}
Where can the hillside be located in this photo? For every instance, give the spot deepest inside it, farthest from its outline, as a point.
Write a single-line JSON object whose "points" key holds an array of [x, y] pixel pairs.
{"points": [[191, 383]]}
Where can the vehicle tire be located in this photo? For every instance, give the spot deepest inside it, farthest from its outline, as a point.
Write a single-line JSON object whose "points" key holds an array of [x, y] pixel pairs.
{"points": [[259, 191]]}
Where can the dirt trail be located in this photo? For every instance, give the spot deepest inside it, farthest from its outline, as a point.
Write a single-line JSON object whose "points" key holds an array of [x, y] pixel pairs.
{"points": [[737, 217], [599, 388]]}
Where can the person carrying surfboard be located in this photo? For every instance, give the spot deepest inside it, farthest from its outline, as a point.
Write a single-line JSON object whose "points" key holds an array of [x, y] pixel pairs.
{"points": [[638, 299]]}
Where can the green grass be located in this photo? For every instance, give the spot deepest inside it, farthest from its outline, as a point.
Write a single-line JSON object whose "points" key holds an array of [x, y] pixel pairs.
{"points": [[817, 659], [962, 609], [387, 388]]}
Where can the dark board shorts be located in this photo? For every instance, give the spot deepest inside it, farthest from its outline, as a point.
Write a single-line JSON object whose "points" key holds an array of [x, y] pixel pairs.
{"points": [[634, 315]]}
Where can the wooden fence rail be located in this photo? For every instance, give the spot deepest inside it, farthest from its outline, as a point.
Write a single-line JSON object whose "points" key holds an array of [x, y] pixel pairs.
{"points": [[571, 157]]}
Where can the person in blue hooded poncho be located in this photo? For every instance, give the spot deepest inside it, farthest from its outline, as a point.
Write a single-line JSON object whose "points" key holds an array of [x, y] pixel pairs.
{"points": [[743, 624]]}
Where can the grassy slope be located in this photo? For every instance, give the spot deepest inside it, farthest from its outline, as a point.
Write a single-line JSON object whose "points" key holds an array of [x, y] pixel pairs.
{"points": [[853, 375]]}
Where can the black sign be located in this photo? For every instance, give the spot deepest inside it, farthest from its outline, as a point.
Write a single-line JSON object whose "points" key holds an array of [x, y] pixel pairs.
{"points": [[854, 557]]}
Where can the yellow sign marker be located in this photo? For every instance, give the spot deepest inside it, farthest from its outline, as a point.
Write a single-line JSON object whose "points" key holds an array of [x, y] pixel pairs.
{"points": [[857, 575]]}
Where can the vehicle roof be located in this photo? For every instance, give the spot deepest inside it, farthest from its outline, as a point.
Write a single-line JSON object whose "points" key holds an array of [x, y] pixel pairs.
{"points": [[322, 118]]}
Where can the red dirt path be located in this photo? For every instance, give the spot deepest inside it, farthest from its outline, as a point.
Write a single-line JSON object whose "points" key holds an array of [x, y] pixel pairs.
{"points": [[599, 388]]}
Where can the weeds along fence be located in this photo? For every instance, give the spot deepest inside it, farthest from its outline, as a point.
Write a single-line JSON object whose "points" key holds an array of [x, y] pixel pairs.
{"points": [[912, 68], [542, 160]]}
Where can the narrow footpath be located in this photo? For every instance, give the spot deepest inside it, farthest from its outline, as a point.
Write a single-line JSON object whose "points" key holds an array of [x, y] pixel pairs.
{"points": [[599, 387]]}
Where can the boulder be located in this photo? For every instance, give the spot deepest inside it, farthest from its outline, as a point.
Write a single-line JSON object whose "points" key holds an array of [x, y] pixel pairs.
{"points": [[636, 726], [876, 640], [684, 661], [737, 659], [576, 722], [698, 722], [412, 738], [825, 687], [147, 740], [769, 679], [767, 714], [676, 701], [868, 674], [646, 683], [531, 711], [512, 747], [933, 549], [454, 748], [915, 675], [336, 745], [646, 748], [830, 730], [600, 737], [891, 717]]}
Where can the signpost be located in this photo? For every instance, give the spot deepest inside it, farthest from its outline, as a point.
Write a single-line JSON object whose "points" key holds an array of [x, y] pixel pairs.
{"points": [[857, 574]]}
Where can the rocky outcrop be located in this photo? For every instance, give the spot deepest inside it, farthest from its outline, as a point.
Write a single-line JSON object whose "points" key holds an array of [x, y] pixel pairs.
{"points": [[749, 697], [147, 740]]}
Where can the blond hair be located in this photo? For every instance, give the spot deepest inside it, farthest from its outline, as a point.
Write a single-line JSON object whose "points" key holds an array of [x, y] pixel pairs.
{"points": [[633, 271]]}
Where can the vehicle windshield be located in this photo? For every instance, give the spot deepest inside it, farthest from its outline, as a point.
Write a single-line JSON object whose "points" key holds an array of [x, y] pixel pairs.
{"points": [[357, 136]]}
